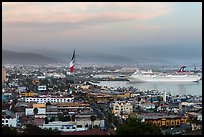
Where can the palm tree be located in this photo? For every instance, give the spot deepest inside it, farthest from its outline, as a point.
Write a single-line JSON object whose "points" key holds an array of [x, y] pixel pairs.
{"points": [[93, 118]]}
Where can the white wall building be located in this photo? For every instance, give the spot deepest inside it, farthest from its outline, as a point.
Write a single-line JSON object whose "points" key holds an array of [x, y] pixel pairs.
{"points": [[10, 122], [122, 107], [79, 125], [41, 112], [49, 99], [146, 106]]}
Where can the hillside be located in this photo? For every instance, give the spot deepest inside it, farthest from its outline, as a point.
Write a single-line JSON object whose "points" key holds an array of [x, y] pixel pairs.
{"points": [[11, 57]]}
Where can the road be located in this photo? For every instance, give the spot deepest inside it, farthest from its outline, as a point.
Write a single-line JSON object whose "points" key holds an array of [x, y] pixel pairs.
{"points": [[102, 111]]}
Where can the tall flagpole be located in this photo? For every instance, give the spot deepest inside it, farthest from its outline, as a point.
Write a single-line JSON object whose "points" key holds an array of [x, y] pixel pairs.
{"points": [[71, 66]]}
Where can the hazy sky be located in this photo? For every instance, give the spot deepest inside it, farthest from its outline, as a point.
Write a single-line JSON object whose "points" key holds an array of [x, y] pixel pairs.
{"points": [[159, 30]]}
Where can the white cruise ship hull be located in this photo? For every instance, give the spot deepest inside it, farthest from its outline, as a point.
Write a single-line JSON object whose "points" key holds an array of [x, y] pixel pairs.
{"points": [[168, 78]]}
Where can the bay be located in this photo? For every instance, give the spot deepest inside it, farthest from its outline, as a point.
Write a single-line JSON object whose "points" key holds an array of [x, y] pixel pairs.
{"points": [[180, 88]]}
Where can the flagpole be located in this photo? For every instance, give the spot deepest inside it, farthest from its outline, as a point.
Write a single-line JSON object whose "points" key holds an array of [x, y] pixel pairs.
{"points": [[72, 67]]}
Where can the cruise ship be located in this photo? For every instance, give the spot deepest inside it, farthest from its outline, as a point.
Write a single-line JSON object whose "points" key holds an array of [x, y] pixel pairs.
{"points": [[150, 76]]}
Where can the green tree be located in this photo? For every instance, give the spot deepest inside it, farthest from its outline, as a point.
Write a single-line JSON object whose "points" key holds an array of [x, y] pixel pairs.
{"points": [[35, 111], [52, 119], [46, 120], [35, 130], [66, 118], [134, 126], [73, 118], [110, 118], [93, 118], [193, 120], [160, 98], [8, 131], [32, 130], [60, 117]]}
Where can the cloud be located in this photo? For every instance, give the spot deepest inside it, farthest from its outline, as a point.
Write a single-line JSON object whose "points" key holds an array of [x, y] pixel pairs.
{"points": [[148, 26], [79, 13]]}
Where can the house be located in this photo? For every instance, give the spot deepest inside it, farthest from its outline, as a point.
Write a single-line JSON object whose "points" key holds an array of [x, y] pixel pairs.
{"points": [[10, 120], [121, 107]]}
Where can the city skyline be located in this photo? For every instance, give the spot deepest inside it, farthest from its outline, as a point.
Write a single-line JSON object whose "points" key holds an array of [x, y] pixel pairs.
{"points": [[164, 30]]}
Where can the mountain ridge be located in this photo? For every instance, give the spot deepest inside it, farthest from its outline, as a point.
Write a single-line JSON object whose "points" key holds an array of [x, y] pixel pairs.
{"points": [[12, 57]]}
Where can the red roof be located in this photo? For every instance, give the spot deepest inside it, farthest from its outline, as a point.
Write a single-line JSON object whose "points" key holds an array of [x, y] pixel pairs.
{"points": [[94, 131]]}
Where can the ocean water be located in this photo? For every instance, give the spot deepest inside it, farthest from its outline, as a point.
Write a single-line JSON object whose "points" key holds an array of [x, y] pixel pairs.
{"points": [[180, 88]]}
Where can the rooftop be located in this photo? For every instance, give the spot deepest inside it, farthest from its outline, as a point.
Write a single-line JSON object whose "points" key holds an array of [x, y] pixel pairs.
{"points": [[87, 132], [73, 104]]}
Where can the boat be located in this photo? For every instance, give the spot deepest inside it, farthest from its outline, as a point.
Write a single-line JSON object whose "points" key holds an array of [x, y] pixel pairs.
{"points": [[180, 76]]}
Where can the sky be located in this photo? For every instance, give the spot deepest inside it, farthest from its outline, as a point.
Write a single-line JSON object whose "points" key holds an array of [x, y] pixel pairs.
{"points": [[167, 30]]}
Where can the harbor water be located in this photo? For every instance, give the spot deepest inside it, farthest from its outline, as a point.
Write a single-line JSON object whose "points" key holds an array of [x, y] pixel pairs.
{"points": [[180, 88]]}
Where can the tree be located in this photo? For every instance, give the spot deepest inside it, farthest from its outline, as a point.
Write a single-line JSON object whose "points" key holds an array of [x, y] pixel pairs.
{"points": [[193, 120], [35, 111], [46, 120], [73, 118], [52, 119], [60, 117], [8, 131], [67, 118], [160, 98], [35, 130], [93, 118], [32, 130], [48, 103], [109, 117], [134, 126]]}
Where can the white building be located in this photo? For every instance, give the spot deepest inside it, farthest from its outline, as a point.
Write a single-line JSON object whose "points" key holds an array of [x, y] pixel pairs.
{"points": [[41, 112], [147, 105], [10, 122], [49, 99], [124, 107], [78, 125]]}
